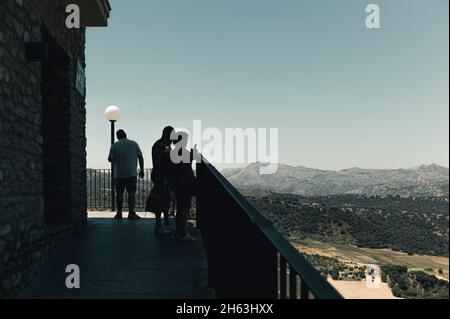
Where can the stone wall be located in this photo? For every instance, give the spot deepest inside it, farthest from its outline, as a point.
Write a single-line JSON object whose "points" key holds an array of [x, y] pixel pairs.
{"points": [[26, 240]]}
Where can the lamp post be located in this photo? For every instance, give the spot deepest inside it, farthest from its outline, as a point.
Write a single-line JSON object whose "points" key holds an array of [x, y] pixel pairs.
{"points": [[112, 114]]}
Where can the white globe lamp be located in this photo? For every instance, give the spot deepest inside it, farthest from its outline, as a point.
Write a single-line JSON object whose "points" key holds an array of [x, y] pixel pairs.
{"points": [[112, 113]]}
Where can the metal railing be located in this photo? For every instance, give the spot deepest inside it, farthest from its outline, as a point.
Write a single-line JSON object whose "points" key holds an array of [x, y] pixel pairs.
{"points": [[247, 257], [99, 190]]}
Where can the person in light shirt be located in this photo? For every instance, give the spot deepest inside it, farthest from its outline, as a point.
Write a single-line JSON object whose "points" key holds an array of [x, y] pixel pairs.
{"points": [[125, 155]]}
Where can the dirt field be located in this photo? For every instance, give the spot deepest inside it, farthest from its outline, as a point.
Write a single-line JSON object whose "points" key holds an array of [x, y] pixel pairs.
{"points": [[366, 257], [359, 290], [376, 256]]}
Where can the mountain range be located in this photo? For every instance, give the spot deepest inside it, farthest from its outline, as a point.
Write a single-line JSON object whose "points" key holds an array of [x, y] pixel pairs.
{"points": [[424, 180]]}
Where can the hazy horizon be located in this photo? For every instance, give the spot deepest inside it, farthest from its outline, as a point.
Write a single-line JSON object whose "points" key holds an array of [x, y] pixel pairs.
{"points": [[237, 166], [355, 167], [341, 95]]}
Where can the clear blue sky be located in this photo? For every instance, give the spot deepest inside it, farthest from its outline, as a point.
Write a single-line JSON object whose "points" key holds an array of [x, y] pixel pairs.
{"points": [[341, 95]]}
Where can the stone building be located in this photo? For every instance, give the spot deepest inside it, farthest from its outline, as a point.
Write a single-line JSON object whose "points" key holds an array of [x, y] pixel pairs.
{"points": [[42, 133]]}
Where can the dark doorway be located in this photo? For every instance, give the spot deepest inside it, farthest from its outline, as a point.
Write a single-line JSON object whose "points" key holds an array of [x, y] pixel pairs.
{"points": [[56, 132]]}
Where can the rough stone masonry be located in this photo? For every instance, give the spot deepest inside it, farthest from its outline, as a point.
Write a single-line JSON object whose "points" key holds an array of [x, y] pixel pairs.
{"points": [[42, 138]]}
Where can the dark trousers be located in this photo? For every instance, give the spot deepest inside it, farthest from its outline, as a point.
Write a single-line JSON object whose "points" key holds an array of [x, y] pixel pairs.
{"points": [[129, 184], [159, 201]]}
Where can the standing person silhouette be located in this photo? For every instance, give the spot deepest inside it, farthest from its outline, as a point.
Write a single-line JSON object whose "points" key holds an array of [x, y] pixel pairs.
{"points": [[159, 199], [183, 183], [125, 155]]}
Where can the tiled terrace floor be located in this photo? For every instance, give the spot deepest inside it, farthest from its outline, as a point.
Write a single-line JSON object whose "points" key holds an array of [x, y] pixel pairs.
{"points": [[123, 259]]}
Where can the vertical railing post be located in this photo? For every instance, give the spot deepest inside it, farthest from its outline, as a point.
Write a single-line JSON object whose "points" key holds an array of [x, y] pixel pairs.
{"points": [[292, 284], [104, 187], [272, 273], [304, 290], [283, 278], [113, 188], [95, 189], [90, 188]]}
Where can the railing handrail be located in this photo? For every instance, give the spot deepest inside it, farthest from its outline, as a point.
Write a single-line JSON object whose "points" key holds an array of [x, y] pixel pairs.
{"points": [[317, 285]]}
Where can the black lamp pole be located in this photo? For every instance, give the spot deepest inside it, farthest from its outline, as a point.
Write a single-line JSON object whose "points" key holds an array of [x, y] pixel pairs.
{"points": [[113, 186]]}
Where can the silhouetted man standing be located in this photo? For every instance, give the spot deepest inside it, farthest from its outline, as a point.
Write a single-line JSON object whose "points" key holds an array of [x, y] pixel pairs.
{"points": [[125, 154], [183, 183], [159, 198]]}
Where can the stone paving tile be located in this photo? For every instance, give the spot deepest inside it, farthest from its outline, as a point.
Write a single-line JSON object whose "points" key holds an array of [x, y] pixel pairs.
{"points": [[140, 275], [189, 275], [168, 264]]}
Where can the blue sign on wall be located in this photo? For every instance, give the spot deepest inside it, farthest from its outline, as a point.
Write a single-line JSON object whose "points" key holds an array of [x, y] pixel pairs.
{"points": [[80, 81]]}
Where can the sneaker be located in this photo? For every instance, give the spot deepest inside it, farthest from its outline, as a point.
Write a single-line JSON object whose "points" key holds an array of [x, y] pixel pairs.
{"points": [[161, 231], [134, 216], [118, 216], [188, 239]]}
